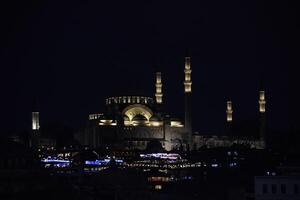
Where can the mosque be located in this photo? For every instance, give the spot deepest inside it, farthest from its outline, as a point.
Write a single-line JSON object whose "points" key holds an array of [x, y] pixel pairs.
{"points": [[131, 122]]}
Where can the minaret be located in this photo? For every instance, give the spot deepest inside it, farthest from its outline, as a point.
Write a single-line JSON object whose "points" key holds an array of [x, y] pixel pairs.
{"points": [[35, 121], [262, 101], [262, 117], [188, 100], [35, 129], [229, 112], [158, 85], [187, 76]]}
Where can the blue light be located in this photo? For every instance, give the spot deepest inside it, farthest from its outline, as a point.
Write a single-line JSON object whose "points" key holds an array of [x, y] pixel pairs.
{"points": [[55, 161], [96, 162], [101, 162]]}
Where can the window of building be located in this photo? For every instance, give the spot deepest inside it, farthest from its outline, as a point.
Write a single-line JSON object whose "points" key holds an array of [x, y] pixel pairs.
{"points": [[274, 189], [265, 188], [283, 188]]}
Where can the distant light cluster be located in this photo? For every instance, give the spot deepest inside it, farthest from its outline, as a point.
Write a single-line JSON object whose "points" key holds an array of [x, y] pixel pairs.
{"points": [[171, 156]]}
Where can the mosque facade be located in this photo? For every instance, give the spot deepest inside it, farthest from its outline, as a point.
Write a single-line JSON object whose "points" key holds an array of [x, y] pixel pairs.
{"points": [[131, 122]]}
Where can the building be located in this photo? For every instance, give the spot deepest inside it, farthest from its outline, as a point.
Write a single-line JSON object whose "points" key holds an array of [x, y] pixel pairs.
{"points": [[277, 187], [131, 122]]}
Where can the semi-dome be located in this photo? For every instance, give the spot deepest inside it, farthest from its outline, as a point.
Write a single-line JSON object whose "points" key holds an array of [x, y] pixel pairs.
{"points": [[105, 118], [137, 109], [139, 118]]}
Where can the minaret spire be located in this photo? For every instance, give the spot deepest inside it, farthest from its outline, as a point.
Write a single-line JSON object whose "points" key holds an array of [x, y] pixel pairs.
{"points": [[262, 115], [187, 75], [262, 101], [229, 111], [158, 85], [188, 101]]}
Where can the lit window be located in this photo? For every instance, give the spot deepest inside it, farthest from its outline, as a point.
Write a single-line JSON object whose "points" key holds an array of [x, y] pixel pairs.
{"points": [[158, 187]]}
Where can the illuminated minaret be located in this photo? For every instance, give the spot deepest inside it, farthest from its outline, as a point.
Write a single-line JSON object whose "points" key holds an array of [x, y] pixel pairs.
{"points": [[262, 101], [229, 112], [158, 85], [187, 75], [188, 99], [262, 117], [35, 129], [35, 121]]}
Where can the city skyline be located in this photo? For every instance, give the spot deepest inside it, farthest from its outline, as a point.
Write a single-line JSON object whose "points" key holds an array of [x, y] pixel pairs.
{"points": [[149, 100]]}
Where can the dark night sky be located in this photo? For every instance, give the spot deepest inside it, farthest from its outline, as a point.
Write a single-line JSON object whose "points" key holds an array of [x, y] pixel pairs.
{"points": [[73, 54]]}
